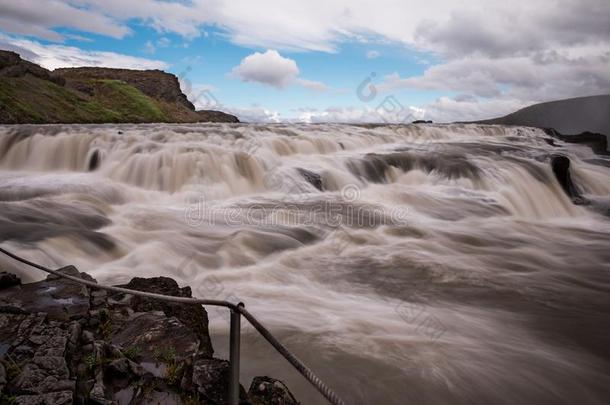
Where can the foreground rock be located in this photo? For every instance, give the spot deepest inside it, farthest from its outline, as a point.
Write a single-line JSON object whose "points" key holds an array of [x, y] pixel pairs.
{"points": [[64, 343]]}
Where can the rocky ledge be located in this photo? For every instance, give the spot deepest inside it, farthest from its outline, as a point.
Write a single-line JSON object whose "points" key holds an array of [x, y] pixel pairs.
{"points": [[63, 343]]}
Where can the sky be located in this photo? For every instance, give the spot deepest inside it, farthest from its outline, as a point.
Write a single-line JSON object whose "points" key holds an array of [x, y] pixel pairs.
{"points": [[333, 61]]}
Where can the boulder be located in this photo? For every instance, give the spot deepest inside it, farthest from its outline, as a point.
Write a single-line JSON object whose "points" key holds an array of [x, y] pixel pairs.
{"points": [[8, 280], [267, 390], [193, 317], [561, 169], [312, 178]]}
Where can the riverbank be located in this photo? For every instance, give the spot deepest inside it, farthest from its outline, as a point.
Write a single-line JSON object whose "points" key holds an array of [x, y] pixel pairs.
{"points": [[63, 343]]}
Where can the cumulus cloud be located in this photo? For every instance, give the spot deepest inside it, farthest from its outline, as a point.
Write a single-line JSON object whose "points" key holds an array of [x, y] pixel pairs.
{"points": [[39, 18], [269, 68], [58, 56], [495, 51], [272, 69], [255, 114], [350, 115]]}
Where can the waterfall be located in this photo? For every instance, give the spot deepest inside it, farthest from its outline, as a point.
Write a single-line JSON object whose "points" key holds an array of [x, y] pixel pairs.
{"points": [[442, 261]]}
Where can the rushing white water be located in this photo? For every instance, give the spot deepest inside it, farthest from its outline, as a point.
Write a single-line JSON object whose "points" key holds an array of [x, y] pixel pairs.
{"points": [[404, 264]]}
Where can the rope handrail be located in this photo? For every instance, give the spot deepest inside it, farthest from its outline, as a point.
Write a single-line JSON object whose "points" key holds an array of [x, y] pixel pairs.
{"points": [[239, 308]]}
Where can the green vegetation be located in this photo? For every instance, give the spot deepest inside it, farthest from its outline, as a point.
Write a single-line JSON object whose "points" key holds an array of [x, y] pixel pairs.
{"points": [[105, 326], [173, 368], [165, 354], [90, 361], [132, 352], [34, 100]]}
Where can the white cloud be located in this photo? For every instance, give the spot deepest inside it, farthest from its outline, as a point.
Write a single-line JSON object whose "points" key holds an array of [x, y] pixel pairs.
{"points": [[372, 54], [272, 69], [461, 108], [521, 51], [359, 114], [39, 18], [163, 42], [58, 56], [254, 114], [269, 68], [313, 85], [149, 47]]}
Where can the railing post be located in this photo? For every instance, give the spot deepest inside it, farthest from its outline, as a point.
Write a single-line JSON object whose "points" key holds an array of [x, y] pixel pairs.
{"points": [[234, 357]]}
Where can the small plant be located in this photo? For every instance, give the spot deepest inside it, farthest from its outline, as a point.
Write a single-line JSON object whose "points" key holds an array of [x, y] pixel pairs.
{"points": [[90, 361], [12, 368], [172, 373], [105, 327], [132, 353], [165, 354], [7, 399]]}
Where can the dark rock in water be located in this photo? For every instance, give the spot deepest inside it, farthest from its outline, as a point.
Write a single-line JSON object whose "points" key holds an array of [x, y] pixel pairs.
{"points": [[561, 169], [422, 122], [312, 178], [67, 343], [94, 161], [597, 142], [374, 166], [550, 141], [267, 390], [8, 280]]}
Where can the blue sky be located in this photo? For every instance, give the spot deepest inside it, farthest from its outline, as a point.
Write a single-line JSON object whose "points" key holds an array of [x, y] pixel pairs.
{"points": [[291, 61]]}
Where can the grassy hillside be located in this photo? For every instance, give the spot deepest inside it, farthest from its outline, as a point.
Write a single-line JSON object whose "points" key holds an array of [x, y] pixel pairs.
{"points": [[32, 94], [30, 99]]}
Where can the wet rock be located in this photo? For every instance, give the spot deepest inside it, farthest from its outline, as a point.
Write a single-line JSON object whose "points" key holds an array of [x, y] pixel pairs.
{"points": [[45, 374], [267, 390], [193, 317], [60, 299], [53, 398], [210, 378], [312, 178], [2, 377], [87, 337], [127, 349], [561, 169], [8, 280]]}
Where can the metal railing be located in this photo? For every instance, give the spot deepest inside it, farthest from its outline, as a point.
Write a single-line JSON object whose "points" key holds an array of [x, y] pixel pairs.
{"points": [[237, 310]]}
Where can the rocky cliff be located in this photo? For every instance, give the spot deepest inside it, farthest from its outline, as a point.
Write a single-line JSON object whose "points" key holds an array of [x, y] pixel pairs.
{"points": [[64, 343], [32, 94]]}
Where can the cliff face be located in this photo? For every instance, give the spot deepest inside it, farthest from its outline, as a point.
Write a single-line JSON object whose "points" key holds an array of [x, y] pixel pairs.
{"points": [[154, 83], [32, 94]]}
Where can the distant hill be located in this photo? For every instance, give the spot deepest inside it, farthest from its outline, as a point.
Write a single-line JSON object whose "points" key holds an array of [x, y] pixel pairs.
{"points": [[569, 117], [32, 94]]}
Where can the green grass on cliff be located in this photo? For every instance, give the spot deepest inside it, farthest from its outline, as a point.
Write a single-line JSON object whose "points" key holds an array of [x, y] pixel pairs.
{"points": [[132, 104], [30, 99]]}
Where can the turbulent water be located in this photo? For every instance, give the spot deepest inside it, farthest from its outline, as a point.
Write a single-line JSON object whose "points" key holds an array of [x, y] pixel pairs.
{"points": [[404, 264]]}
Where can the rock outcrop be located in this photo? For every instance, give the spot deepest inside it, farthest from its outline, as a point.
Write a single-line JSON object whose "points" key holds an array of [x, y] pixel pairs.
{"points": [[64, 343], [11, 65], [32, 94], [154, 83]]}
